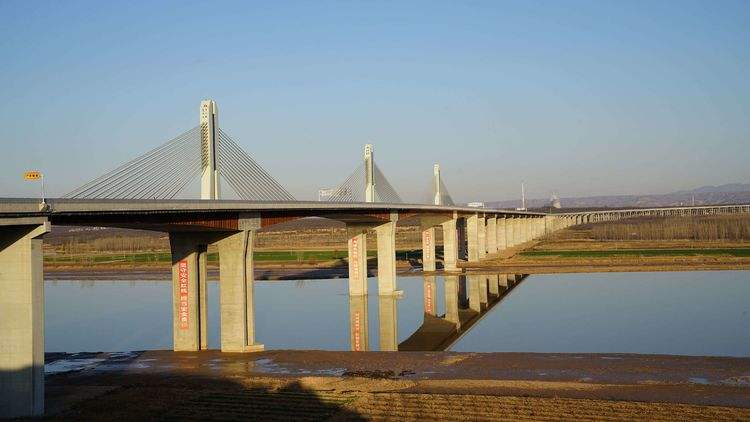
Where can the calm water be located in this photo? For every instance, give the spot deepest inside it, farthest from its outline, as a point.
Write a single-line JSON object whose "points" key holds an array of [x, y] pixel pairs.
{"points": [[686, 313]]}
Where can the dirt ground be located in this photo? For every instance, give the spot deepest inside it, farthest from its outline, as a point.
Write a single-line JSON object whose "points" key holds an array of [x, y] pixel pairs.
{"points": [[301, 385]]}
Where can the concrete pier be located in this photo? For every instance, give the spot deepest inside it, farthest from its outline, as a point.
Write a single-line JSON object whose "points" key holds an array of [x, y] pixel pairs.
{"points": [[492, 284], [483, 291], [482, 236], [514, 279], [451, 300], [538, 228], [358, 323], [203, 295], [450, 245], [463, 238], [22, 317], [386, 258], [502, 242], [472, 232], [517, 231], [502, 281], [388, 320], [429, 291], [475, 283], [357, 245], [492, 235], [236, 293], [189, 278], [510, 232], [428, 249]]}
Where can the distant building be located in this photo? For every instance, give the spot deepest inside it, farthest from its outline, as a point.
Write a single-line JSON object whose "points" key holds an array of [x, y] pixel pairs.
{"points": [[475, 204]]}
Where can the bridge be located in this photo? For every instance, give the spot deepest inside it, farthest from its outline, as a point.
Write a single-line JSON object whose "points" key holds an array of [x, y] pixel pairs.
{"points": [[144, 193]]}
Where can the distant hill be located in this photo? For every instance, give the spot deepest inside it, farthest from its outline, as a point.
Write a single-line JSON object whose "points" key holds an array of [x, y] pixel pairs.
{"points": [[733, 193], [728, 188]]}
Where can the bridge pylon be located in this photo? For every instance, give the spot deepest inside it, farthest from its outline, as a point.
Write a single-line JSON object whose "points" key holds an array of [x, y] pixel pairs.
{"points": [[437, 196], [369, 174], [438, 192], [366, 183], [209, 127]]}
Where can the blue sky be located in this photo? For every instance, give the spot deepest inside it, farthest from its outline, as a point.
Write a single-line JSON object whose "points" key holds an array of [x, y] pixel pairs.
{"points": [[581, 98]]}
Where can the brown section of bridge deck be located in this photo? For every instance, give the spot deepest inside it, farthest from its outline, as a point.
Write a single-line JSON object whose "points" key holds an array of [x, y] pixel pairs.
{"points": [[416, 385]]}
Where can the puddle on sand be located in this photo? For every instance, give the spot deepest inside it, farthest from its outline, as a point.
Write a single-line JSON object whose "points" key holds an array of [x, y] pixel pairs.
{"points": [[268, 366], [698, 380], [741, 381], [83, 361], [71, 365]]}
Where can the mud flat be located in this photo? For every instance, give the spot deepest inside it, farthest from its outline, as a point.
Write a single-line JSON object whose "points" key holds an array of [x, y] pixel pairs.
{"points": [[405, 385]]}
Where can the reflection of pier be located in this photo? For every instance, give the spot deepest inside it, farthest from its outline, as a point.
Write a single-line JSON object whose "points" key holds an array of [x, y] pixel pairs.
{"points": [[441, 332], [467, 300]]}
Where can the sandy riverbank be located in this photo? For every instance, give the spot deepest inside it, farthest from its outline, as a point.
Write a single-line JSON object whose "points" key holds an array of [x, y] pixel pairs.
{"points": [[406, 385]]}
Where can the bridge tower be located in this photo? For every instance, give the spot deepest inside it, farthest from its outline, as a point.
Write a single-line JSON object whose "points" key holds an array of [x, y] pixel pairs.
{"points": [[369, 174], [438, 197], [209, 127]]}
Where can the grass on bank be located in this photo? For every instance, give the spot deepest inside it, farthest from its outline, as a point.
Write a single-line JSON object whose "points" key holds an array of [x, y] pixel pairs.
{"points": [[733, 252]]}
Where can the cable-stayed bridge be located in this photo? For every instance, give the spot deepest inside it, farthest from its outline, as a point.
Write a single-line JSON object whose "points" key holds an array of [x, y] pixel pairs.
{"points": [[208, 153], [205, 152], [142, 194]]}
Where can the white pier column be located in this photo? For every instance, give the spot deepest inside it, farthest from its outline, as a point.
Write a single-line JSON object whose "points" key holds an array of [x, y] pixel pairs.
{"points": [[517, 231], [203, 295], [482, 232], [492, 235], [22, 317], [450, 245], [189, 314], [236, 293], [510, 232], [524, 222], [502, 242], [472, 232], [387, 257], [357, 245], [428, 249]]}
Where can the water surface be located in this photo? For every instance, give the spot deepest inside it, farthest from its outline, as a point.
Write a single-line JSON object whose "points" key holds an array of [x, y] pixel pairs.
{"points": [[686, 313]]}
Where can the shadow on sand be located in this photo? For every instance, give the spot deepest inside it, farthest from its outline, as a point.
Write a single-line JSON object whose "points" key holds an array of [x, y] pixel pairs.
{"points": [[122, 394]]}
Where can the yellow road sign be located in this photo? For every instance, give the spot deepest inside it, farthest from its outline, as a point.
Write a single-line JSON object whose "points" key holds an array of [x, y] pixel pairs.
{"points": [[32, 175]]}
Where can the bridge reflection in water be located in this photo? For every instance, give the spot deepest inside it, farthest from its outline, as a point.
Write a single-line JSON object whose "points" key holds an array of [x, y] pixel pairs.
{"points": [[467, 299]]}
